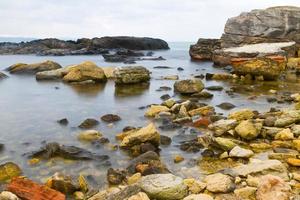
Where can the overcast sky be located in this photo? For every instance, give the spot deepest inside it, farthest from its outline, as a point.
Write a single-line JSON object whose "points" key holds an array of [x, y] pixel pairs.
{"points": [[172, 20]]}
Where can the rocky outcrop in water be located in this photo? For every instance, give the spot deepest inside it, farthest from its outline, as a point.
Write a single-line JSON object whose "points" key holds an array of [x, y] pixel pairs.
{"points": [[131, 75], [204, 49], [82, 46], [33, 68]]}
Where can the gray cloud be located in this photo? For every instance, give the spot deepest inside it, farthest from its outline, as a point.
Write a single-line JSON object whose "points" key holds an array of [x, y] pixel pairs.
{"points": [[173, 20]]}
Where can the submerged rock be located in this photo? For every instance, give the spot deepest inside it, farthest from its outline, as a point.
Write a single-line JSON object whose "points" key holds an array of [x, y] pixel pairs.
{"points": [[188, 86], [51, 150], [3, 76], [115, 177], [110, 118], [131, 75], [89, 123], [33, 68], [89, 135], [226, 106], [164, 186], [62, 183]]}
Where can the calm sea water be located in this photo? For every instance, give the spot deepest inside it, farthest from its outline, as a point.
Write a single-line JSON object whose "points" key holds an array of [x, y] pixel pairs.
{"points": [[29, 110]]}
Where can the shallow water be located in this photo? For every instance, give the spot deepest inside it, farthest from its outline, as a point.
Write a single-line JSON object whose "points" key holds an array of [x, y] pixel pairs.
{"points": [[29, 110]]}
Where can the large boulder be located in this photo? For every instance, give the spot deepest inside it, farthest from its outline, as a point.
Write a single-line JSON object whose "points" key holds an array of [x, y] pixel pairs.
{"points": [[33, 68], [204, 48], [188, 86], [273, 24], [131, 75], [85, 71], [164, 186]]}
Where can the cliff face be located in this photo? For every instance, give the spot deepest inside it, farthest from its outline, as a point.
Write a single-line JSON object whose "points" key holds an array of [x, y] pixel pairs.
{"points": [[270, 25], [82, 46]]}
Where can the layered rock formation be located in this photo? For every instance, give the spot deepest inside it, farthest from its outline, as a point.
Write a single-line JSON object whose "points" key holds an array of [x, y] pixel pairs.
{"points": [[82, 46]]}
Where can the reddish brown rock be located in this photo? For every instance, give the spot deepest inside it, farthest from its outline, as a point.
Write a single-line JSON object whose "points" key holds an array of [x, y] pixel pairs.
{"points": [[29, 190]]}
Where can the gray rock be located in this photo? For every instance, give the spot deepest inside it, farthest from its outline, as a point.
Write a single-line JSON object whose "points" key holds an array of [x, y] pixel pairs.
{"points": [[287, 118], [204, 48], [222, 126], [3, 76], [219, 183], [164, 186], [239, 152]]}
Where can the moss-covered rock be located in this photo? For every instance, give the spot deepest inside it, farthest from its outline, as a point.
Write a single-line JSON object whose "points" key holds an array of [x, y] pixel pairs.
{"points": [[8, 171]]}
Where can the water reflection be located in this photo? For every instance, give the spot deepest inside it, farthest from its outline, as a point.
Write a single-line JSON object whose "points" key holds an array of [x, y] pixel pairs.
{"points": [[131, 89], [91, 90]]}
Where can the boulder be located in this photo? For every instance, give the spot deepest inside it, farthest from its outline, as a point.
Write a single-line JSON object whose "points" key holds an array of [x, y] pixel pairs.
{"points": [[248, 129], [219, 183], [131, 75], [188, 86], [8, 171], [164, 186], [148, 133], [204, 49], [273, 187], [33, 68], [29, 190], [85, 71], [262, 25], [52, 74], [269, 68], [110, 118]]}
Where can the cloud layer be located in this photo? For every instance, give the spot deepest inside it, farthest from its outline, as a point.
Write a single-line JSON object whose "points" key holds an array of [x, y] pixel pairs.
{"points": [[172, 20]]}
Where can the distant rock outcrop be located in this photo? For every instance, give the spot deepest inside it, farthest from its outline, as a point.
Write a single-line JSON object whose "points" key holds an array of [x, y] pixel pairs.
{"points": [[277, 25], [82, 46]]}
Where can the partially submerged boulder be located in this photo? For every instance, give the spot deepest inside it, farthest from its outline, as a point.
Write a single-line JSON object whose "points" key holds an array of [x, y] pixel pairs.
{"points": [[33, 68], [188, 86], [3, 76], [204, 48], [85, 71], [131, 75], [8, 171]]}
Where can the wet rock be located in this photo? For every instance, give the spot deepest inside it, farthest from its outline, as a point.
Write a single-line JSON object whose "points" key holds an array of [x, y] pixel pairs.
{"points": [[180, 69], [202, 111], [272, 187], [243, 114], [89, 135], [33, 68], [188, 86], [85, 71], [284, 134], [63, 121], [178, 159], [145, 134], [164, 186], [110, 118], [203, 95], [150, 160], [8, 171], [139, 196], [29, 190], [5, 195], [225, 143], [89, 123], [239, 152], [165, 140], [145, 147], [62, 183], [3, 76], [51, 150], [219, 183], [222, 126], [132, 74], [156, 109], [165, 97], [214, 88], [170, 77], [248, 129], [199, 197], [226, 106], [115, 177]]}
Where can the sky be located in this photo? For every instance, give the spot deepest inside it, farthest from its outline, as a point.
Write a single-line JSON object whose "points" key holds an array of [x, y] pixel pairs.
{"points": [[171, 20]]}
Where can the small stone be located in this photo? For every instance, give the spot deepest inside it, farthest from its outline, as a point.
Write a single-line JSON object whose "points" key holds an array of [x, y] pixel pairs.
{"points": [[62, 183], [134, 178], [169, 103], [79, 195], [198, 197], [248, 130], [219, 183], [293, 162], [285, 134], [224, 155], [296, 144], [239, 152], [245, 193], [215, 88], [156, 109], [88, 123], [222, 126], [189, 86], [34, 161], [178, 159], [194, 186], [226, 106], [139, 196], [225, 143], [115, 177], [89, 135], [165, 140], [240, 115], [5, 195], [63, 121]]}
